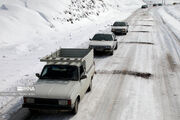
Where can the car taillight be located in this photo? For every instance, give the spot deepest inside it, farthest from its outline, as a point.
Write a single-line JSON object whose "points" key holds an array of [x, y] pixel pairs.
{"points": [[25, 100], [28, 100], [69, 102]]}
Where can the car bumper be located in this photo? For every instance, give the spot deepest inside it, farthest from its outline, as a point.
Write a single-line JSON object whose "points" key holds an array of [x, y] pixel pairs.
{"points": [[46, 107], [119, 31], [101, 49]]}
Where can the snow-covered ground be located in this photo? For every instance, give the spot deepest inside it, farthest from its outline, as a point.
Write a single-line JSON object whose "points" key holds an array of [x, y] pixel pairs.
{"points": [[171, 16], [31, 29]]}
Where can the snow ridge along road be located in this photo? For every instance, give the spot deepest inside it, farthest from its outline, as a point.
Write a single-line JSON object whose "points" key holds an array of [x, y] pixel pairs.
{"points": [[150, 48]]}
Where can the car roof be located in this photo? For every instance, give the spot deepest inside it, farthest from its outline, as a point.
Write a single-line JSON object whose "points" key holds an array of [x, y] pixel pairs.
{"points": [[120, 22], [65, 63], [104, 33]]}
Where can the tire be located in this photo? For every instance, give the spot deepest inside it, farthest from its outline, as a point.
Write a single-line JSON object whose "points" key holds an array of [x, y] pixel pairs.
{"points": [[90, 86], [33, 111], [76, 105], [116, 47], [112, 52]]}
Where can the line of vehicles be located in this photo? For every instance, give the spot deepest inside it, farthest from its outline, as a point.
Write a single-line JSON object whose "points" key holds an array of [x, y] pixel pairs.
{"points": [[107, 42], [68, 73], [154, 5]]}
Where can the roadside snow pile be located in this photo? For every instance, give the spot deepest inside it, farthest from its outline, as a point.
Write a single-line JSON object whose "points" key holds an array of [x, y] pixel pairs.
{"points": [[171, 16]]}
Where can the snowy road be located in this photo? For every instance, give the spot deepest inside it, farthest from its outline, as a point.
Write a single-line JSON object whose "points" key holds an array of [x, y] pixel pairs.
{"points": [[120, 89]]}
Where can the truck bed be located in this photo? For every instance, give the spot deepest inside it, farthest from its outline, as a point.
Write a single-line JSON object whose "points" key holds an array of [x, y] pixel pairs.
{"points": [[69, 55]]}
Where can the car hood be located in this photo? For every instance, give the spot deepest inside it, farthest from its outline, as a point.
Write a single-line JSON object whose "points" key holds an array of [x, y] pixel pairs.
{"points": [[101, 43], [55, 89]]}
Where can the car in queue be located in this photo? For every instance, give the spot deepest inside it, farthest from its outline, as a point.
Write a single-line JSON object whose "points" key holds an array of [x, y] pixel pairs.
{"points": [[144, 6], [104, 42], [120, 28]]}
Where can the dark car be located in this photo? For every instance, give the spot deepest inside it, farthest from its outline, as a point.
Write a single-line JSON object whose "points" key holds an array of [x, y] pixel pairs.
{"points": [[159, 4], [144, 6], [120, 28], [154, 4]]}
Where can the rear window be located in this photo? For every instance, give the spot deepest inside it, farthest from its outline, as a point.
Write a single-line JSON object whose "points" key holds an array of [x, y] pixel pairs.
{"points": [[100, 37], [119, 24]]}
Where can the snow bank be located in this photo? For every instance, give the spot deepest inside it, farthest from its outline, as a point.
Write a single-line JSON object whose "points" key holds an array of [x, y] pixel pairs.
{"points": [[171, 16]]}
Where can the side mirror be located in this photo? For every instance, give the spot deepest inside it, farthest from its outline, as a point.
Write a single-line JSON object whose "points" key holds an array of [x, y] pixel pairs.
{"points": [[38, 75], [115, 39], [90, 39], [83, 77]]}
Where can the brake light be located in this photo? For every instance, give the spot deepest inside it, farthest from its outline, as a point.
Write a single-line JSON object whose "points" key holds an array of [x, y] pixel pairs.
{"points": [[25, 100], [69, 102]]}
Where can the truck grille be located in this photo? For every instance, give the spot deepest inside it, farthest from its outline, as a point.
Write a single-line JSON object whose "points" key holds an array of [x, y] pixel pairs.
{"points": [[46, 101], [99, 47], [120, 30]]}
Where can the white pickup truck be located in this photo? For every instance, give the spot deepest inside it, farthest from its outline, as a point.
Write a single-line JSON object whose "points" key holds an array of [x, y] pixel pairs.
{"points": [[104, 42], [64, 80], [120, 28]]}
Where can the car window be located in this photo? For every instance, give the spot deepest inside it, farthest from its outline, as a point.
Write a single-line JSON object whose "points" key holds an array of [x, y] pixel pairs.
{"points": [[60, 72], [100, 37], [119, 24]]}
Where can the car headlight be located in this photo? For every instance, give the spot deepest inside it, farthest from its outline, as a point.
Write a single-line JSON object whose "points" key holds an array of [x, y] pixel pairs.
{"points": [[28, 100], [64, 102], [107, 46], [90, 46]]}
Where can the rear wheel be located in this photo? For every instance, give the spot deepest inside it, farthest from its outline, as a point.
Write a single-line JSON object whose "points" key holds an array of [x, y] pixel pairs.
{"points": [[75, 109], [90, 86], [116, 47], [32, 111]]}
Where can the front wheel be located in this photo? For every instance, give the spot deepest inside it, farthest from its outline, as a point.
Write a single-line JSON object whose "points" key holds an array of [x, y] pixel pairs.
{"points": [[116, 47], [32, 111], [112, 52], [75, 109], [90, 86]]}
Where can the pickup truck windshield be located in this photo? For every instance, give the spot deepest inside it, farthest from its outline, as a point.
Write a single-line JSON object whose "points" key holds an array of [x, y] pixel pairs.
{"points": [[60, 72], [100, 37], [119, 24]]}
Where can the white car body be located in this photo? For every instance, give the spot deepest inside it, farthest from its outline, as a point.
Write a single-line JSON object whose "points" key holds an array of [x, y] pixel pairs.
{"points": [[60, 94], [120, 29], [104, 45]]}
